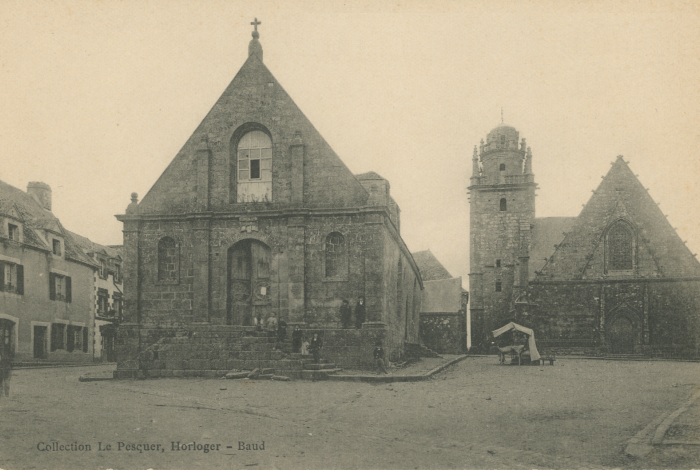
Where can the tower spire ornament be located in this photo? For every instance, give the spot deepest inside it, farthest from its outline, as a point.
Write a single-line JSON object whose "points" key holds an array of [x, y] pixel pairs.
{"points": [[501, 110], [255, 48]]}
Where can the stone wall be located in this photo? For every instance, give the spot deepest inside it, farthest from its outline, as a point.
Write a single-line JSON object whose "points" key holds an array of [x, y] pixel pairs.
{"points": [[444, 333]]}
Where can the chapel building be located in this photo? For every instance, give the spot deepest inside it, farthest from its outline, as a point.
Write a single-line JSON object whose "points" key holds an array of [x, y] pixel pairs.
{"points": [[257, 221], [617, 279]]}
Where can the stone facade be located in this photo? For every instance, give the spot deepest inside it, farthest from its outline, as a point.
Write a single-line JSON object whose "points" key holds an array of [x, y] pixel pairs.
{"points": [[616, 279], [257, 219]]}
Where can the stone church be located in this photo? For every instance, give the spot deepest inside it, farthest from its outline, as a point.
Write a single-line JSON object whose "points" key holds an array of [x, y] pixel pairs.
{"points": [[617, 279], [257, 221]]}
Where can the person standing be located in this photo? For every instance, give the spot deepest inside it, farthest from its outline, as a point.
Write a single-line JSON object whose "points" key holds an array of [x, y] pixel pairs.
{"points": [[315, 347], [360, 312], [379, 355], [345, 314]]}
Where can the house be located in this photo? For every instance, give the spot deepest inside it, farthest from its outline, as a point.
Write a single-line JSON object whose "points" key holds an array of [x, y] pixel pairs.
{"points": [[616, 279], [257, 221], [108, 295], [46, 281]]}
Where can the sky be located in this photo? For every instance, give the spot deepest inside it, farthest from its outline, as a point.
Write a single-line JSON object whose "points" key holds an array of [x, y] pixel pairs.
{"points": [[97, 97]]}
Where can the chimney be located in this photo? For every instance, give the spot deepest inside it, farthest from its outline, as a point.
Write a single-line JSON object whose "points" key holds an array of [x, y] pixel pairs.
{"points": [[41, 192]]}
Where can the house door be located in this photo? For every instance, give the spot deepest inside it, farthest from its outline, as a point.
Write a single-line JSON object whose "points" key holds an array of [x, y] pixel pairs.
{"points": [[248, 282], [40, 342], [622, 335], [6, 337]]}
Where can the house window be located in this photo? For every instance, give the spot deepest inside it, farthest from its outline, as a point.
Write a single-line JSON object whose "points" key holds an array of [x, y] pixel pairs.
{"points": [[116, 305], [75, 338], [12, 278], [498, 286], [498, 263], [102, 301], [504, 204], [60, 287], [336, 255], [620, 247], [254, 158], [58, 336], [103, 269], [13, 232], [168, 260], [57, 247]]}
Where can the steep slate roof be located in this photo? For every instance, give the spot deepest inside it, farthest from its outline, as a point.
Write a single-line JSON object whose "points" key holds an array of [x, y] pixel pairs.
{"points": [[88, 246], [18, 204], [430, 268], [660, 251], [547, 232], [327, 182]]}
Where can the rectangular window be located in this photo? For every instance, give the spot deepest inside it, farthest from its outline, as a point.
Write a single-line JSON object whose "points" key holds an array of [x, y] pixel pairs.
{"points": [[58, 336], [13, 232], [103, 269], [498, 286], [498, 263], [57, 247], [12, 278], [102, 301], [60, 287]]}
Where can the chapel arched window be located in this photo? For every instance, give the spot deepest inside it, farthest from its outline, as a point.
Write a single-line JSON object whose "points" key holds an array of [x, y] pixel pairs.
{"points": [[254, 168], [620, 245], [336, 255], [168, 260]]}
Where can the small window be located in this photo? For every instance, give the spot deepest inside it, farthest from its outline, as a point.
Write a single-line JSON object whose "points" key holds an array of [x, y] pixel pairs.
{"points": [[503, 167], [12, 278], [503, 140], [117, 273], [60, 287], [498, 286], [57, 247], [498, 263], [168, 260], [58, 336], [504, 204], [13, 232]]}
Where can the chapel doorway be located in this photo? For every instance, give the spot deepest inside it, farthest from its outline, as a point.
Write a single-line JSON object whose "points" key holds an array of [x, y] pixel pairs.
{"points": [[248, 282], [622, 335]]}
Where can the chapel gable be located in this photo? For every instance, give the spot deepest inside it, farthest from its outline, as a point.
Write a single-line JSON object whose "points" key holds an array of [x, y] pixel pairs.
{"points": [[620, 233]]}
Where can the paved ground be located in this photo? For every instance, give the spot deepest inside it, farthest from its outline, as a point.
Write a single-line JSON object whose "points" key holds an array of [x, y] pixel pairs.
{"points": [[477, 414]]}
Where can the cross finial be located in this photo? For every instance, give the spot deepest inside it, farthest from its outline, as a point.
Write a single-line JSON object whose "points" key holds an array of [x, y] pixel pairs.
{"points": [[501, 112], [256, 23]]}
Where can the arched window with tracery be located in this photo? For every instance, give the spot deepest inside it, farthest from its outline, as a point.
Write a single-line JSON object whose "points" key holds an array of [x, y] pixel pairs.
{"points": [[168, 260], [336, 256], [254, 167], [620, 247]]}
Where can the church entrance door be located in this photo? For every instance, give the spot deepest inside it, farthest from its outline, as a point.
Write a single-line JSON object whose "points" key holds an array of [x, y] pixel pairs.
{"points": [[622, 336], [248, 282]]}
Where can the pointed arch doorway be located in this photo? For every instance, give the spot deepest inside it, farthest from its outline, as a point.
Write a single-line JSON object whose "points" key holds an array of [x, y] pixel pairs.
{"points": [[248, 283], [624, 332]]}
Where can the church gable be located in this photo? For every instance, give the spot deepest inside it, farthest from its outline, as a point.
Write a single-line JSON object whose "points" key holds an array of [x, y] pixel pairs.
{"points": [[621, 232], [286, 163]]}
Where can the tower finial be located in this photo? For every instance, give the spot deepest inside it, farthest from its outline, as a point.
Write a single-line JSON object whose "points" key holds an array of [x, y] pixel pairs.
{"points": [[254, 48], [501, 114]]}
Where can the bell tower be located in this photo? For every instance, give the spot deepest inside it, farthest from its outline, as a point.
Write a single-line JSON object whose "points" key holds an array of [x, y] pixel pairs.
{"points": [[502, 214]]}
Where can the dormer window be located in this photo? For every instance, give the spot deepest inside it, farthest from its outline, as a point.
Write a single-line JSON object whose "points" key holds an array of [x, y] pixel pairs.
{"points": [[57, 247], [13, 232]]}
